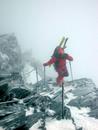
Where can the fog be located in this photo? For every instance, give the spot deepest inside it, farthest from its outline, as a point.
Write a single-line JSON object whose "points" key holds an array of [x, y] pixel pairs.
{"points": [[40, 24]]}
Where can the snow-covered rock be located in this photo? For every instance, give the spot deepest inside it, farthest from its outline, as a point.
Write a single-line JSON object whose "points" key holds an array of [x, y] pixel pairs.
{"points": [[86, 95], [80, 115], [10, 54], [56, 125], [80, 100]]}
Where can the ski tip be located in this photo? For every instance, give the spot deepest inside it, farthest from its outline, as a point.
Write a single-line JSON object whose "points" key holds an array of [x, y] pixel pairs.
{"points": [[61, 42]]}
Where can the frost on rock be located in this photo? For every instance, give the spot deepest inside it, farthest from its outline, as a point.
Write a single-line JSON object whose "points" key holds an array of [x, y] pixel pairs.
{"points": [[10, 54]]}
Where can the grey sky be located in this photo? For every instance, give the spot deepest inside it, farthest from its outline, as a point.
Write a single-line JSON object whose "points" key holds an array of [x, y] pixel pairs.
{"points": [[40, 24]]}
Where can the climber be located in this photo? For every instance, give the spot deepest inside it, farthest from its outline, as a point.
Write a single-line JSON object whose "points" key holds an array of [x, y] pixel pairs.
{"points": [[59, 61]]}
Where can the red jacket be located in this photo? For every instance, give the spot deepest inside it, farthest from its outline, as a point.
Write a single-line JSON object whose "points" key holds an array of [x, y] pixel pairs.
{"points": [[61, 67]]}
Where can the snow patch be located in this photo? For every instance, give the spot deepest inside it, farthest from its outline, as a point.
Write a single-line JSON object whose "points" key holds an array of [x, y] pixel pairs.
{"points": [[83, 120], [4, 56], [50, 112], [1, 128], [60, 125], [51, 93], [80, 116], [29, 111], [35, 126], [70, 97], [55, 125]]}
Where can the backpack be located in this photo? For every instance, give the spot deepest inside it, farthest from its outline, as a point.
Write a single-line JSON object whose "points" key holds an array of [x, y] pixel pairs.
{"points": [[58, 56]]}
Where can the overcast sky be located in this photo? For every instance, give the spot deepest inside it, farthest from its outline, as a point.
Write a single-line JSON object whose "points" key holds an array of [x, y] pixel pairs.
{"points": [[40, 24]]}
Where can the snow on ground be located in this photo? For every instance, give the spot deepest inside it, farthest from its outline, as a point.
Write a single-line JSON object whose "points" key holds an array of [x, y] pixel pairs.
{"points": [[29, 111], [35, 126], [60, 125], [55, 125], [68, 88], [82, 119], [56, 89], [30, 74], [52, 93], [70, 97], [80, 115], [50, 112], [1, 128]]}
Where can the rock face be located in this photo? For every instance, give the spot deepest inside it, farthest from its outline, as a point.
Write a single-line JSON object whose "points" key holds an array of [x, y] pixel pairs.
{"points": [[86, 96], [12, 116], [10, 54]]}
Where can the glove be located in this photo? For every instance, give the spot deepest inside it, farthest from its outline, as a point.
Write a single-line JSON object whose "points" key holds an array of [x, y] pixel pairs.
{"points": [[45, 64], [49, 65]]}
